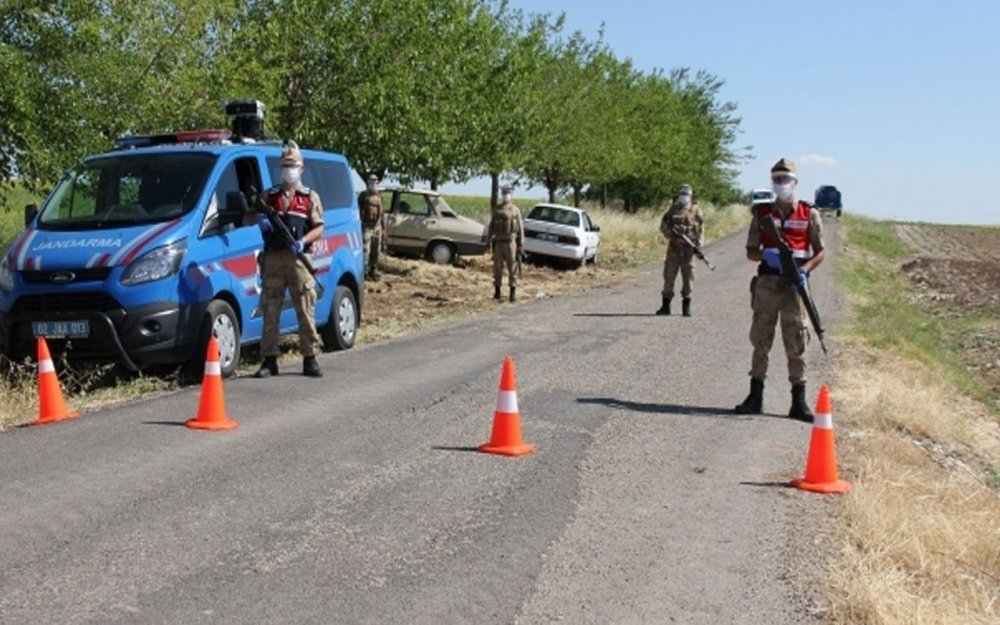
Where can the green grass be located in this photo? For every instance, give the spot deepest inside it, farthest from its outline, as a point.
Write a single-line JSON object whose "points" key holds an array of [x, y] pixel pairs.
{"points": [[13, 198], [889, 317]]}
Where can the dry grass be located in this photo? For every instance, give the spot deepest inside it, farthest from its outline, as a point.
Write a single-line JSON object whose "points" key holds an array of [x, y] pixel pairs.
{"points": [[918, 540]]}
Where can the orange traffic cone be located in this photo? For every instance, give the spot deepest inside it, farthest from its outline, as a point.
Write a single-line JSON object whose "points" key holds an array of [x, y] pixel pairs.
{"points": [[211, 409], [821, 465], [51, 406], [506, 437]]}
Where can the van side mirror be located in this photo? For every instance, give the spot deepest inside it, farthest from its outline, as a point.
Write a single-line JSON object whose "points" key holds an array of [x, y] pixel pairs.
{"points": [[236, 208], [29, 214]]}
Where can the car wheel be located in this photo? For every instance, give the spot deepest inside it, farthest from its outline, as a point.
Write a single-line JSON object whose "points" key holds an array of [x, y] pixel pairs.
{"points": [[220, 321], [339, 333], [441, 253]]}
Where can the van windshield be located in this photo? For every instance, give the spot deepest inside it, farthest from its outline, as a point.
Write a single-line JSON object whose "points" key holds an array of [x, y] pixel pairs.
{"points": [[129, 190]]}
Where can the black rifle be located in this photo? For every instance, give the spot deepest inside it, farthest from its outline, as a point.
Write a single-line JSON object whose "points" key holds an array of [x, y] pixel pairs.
{"points": [[279, 225], [791, 272], [688, 242]]}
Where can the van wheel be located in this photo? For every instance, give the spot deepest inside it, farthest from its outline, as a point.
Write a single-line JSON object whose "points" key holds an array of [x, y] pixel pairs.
{"points": [[220, 321], [441, 253], [339, 333]]}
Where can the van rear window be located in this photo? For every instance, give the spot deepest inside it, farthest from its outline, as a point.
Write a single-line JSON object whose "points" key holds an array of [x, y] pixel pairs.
{"points": [[330, 179]]}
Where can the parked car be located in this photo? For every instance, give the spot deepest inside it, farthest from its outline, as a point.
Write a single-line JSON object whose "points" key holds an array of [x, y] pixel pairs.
{"points": [[419, 222], [563, 232], [140, 254], [828, 200], [761, 196]]}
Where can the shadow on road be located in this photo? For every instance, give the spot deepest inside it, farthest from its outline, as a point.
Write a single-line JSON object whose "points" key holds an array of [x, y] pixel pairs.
{"points": [[614, 314], [163, 422], [444, 448], [768, 484], [611, 402]]}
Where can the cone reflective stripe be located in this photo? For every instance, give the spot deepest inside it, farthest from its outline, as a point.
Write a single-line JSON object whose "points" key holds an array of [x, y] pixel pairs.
{"points": [[51, 406], [821, 465], [506, 436], [211, 406]]}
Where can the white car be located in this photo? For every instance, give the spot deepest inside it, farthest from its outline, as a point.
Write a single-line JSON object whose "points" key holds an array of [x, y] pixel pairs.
{"points": [[761, 196], [561, 232]]}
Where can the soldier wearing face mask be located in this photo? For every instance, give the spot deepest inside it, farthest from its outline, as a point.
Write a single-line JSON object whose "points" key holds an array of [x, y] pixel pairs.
{"points": [[773, 298], [372, 214], [683, 216], [302, 212], [506, 238]]}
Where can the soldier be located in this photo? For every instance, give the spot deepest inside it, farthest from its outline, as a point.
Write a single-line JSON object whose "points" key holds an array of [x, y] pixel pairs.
{"points": [[772, 295], [372, 215], [301, 210], [685, 216], [506, 237]]}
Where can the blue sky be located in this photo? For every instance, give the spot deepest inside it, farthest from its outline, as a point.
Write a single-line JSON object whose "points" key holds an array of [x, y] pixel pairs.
{"points": [[897, 103]]}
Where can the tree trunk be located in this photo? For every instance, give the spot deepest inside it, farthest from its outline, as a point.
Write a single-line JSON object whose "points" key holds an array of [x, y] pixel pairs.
{"points": [[434, 184], [577, 188], [494, 189], [604, 195]]}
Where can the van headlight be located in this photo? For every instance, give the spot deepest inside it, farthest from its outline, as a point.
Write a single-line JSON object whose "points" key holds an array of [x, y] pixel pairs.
{"points": [[6, 276], [157, 264]]}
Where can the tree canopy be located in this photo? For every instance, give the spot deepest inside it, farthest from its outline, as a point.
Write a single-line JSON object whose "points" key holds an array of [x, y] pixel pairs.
{"points": [[420, 90]]}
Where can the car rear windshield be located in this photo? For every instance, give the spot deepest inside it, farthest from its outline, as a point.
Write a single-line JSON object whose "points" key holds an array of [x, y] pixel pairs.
{"points": [[555, 215], [127, 190]]}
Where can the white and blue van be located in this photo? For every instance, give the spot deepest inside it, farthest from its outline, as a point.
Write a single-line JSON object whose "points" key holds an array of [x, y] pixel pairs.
{"points": [[140, 254]]}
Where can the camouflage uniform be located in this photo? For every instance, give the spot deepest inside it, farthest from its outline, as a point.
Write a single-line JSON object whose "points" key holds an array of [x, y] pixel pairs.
{"points": [[372, 215], [774, 299], [280, 269], [506, 236], [687, 218], [301, 210]]}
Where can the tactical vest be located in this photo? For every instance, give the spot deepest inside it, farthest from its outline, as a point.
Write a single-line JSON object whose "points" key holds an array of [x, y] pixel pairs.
{"points": [[504, 223], [371, 208], [683, 218], [295, 215], [794, 228]]}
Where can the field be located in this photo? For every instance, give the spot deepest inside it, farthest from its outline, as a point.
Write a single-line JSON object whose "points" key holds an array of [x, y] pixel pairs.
{"points": [[917, 386]]}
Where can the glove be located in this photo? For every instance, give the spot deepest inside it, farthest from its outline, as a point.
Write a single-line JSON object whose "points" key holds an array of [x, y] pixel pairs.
{"points": [[772, 258], [298, 247], [803, 278], [264, 224]]}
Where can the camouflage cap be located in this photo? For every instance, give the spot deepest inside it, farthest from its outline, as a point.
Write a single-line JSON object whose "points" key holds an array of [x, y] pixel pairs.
{"points": [[785, 166], [506, 189], [290, 155], [685, 188], [372, 178]]}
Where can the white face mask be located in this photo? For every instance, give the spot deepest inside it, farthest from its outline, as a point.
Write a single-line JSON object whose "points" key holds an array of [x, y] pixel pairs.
{"points": [[684, 199], [785, 192], [506, 198], [291, 176]]}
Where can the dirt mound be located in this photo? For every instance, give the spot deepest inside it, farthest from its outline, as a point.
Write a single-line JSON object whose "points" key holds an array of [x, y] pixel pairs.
{"points": [[956, 280]]}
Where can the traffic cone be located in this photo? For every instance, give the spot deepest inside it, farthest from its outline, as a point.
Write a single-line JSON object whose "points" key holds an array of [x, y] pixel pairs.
{"points": [[211, 409], [506, 437], [51, 406], [821, 465]]}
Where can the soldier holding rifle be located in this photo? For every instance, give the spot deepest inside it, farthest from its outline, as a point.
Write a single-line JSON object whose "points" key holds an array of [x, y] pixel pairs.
{"points": [[290, 220], [682, 225], [798, 231]]}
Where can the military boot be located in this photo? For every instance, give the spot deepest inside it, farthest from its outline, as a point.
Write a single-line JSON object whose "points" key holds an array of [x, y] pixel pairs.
{"points": [[754, 403], [310, 368], [513, 293], [686, 306], [800, 408], [665, 308], [496, 293], [268, 367]]}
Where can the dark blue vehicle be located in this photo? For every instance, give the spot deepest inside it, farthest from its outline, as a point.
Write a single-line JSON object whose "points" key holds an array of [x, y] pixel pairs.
{"points": [[140, 254]]}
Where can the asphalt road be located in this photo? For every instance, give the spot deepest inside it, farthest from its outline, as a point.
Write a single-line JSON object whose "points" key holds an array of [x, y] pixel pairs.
{"points": [[357, 498]]}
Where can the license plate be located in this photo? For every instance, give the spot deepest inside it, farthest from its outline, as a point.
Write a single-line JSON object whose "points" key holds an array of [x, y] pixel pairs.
{"points": [[62, 329], [548, 237]]}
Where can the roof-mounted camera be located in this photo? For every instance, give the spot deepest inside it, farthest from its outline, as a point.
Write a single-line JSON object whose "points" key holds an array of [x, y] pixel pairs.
{"points": [[247, 119]]}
